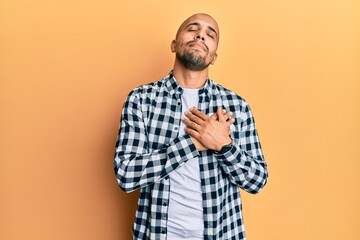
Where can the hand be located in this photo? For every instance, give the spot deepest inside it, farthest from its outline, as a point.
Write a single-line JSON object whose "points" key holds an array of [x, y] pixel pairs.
{"points": [[208, 132]]}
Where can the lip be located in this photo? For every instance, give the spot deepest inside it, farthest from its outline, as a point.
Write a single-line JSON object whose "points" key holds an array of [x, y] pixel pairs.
{"points": [[198, 45]]}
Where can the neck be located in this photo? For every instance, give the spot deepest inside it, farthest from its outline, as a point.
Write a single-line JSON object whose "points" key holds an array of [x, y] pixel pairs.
{"points": [[189, 78]]}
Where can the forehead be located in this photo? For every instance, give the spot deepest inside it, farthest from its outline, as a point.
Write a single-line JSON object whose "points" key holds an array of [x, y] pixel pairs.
{"points": [[202, 19]]}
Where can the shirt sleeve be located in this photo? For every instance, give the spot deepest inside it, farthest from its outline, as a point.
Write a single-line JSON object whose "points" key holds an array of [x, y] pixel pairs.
{"points": [[135, 165], [244, 163]]}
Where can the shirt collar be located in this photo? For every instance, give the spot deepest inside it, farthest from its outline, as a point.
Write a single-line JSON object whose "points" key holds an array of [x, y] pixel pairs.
{"points": [[175, 88]]}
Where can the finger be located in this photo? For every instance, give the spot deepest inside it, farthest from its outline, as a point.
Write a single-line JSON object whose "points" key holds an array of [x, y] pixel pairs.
{"points": [[230, 131], [231, 121], [223, 111], [192, 132], [194, 118], [228, 115], [214, 116], [198, 113], [189, 123], [220, 115]]}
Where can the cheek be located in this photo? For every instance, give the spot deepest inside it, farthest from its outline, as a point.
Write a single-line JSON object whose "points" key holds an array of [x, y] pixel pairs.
{"points": [[185, 38], [212, 46], [212, 51], [211, 57], [180, 43]]}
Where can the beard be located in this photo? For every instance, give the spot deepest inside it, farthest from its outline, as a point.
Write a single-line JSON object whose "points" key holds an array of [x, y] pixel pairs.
{"points": [[192, 61]]}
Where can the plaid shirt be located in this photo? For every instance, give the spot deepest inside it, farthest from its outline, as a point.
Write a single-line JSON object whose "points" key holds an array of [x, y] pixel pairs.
{"points": [[148, 148]]}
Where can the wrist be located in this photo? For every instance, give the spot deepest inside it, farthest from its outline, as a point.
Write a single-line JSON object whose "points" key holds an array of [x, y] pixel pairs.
{"points": [[224, 148]]}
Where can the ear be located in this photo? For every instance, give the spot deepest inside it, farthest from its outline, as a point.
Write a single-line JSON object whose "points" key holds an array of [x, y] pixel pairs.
{"points": [[173, 46], [214, 59]]}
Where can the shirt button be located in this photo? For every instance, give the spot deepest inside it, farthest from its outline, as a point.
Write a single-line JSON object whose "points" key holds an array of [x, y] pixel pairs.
{"points": [[167, 178], [164, 204], [178, 103], [163, 231], [176, 128]]}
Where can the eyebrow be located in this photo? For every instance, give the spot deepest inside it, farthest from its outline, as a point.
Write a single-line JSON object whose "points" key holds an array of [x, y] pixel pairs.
{"points": [[198, 24]]}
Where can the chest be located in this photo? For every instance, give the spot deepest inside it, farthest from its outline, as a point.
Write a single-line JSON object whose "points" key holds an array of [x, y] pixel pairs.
{"points": [[162, 116]]}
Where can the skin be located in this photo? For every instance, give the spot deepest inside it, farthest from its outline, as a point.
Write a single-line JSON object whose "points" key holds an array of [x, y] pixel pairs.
{"points": [[198, 36]]}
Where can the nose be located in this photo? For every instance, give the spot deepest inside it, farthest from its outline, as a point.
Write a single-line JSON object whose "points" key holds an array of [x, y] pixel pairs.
{"points": [[200, 36]]}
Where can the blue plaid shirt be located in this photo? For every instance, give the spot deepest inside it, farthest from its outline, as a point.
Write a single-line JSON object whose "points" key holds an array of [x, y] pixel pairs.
{"points": [[148, 148]]}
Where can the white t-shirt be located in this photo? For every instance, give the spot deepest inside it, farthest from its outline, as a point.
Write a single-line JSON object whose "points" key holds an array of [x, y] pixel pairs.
{"points": [[185, 213]]}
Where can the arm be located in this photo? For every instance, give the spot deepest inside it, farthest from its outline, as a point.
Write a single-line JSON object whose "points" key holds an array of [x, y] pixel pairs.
{"points": [[135, 166], [244, 162]]}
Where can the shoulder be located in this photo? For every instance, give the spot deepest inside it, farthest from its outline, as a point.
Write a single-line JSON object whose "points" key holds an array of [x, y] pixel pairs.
{"points": [[147, 91], [229, 97], [149, 88]]}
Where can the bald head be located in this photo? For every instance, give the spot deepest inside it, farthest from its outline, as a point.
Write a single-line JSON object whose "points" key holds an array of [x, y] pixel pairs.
{"points": [[196, 19], [196, 43]]}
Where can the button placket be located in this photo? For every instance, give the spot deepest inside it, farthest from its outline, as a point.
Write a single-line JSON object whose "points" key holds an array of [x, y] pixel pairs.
{"points": [[164, 207], [177, 114]]}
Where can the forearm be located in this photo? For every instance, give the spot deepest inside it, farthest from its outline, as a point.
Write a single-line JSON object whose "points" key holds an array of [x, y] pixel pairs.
{"points": [[136, 167], [249, 173], [244, 163]]}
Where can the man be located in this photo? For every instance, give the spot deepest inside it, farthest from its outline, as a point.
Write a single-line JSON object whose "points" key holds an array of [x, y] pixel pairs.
{"points": [[188, 143]]}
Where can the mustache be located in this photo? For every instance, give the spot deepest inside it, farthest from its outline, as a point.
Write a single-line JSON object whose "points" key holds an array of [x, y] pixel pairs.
{"points": [[198, 42]]}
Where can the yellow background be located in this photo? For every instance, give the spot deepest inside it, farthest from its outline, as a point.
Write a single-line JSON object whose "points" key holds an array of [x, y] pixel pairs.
{"points": [[66, 67]]}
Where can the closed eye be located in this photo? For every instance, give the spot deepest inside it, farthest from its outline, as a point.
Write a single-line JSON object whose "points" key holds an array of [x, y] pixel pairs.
{"points": [[192, 29]]}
